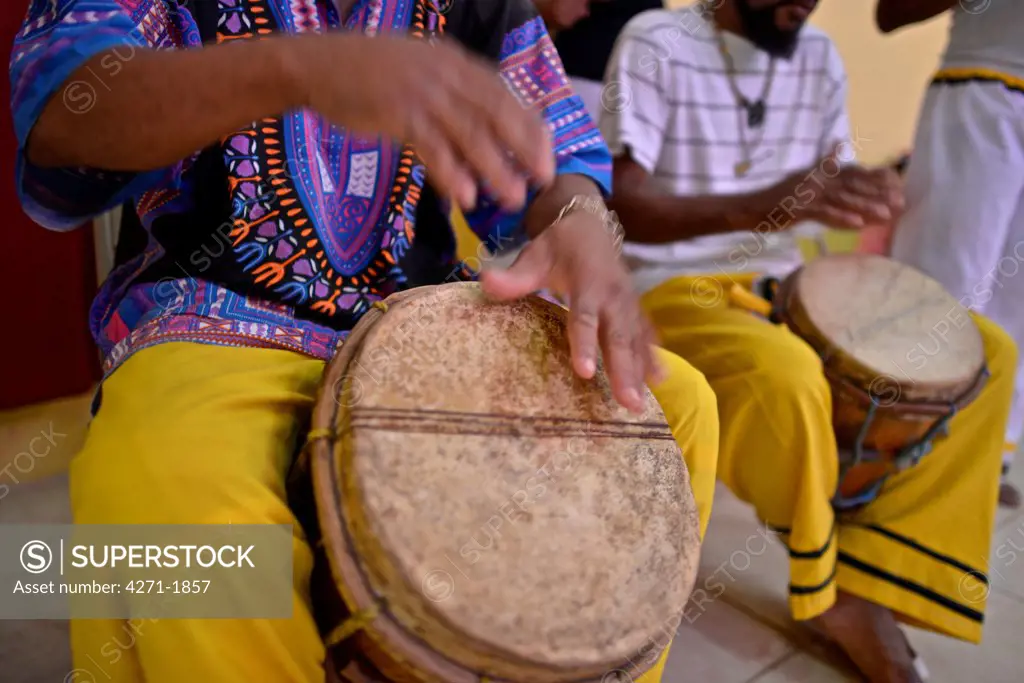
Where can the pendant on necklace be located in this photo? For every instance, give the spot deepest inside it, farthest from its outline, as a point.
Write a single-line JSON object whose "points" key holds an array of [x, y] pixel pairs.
{"points": [[755, 113], [742, 168]]}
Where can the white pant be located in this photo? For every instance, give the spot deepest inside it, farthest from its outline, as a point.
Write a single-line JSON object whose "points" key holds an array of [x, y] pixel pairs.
{"points": [[964, 224]]}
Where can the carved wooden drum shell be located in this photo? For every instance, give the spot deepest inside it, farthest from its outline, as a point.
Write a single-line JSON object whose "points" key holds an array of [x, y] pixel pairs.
{"points": [[888, 336]]}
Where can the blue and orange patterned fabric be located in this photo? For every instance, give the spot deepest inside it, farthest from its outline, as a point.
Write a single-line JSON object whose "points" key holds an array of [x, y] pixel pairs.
{"points": [[288, 231]]}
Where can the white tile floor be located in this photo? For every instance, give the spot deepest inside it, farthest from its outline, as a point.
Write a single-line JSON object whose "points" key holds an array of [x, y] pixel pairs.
{"points": [[738, 631], [36, 651], [753, 568]]}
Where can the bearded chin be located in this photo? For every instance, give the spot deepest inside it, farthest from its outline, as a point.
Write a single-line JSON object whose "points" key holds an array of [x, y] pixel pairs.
{"points": [[781, 45], [759, 25]]}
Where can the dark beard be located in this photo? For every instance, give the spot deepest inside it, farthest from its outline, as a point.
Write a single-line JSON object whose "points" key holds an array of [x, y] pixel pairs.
{"points": [[759, 26]]}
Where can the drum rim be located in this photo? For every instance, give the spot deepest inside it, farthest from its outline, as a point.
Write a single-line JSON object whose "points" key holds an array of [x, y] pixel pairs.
{"points": [[386, 628], [838, 361]]}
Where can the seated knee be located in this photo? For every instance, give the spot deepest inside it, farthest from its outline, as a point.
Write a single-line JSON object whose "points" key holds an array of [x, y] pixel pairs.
{"points": [[134, 477], [787, 369], [685, 394]]}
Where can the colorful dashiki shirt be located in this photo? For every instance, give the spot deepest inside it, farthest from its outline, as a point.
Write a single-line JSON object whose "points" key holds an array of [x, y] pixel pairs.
{"points": [[289, 230]]}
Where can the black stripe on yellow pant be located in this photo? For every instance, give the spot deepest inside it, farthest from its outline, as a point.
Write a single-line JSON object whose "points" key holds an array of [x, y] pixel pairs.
{"points": [[811, 589], [911, 543], [806, 554], [945, 594], [916, 588], [971, 584], [961, 76], [813, 583]]}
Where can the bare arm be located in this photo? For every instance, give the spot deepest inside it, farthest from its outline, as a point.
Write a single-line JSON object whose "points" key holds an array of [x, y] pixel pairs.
{"points": [[158, 107], [894, 14], [848, 197], [652, 217], [546, 207]]}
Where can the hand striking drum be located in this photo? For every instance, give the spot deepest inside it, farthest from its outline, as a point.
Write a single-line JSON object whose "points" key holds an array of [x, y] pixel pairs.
{"points": [[414, 456]]}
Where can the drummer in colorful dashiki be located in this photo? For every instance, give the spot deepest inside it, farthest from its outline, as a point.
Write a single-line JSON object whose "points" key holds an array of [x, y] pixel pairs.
{"points": [[309, 204], [964, 224], [725, 115]]}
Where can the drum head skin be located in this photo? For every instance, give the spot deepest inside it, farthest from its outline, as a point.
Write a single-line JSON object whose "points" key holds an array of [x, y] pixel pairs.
{"points": [[509, 514], [888, 324]]}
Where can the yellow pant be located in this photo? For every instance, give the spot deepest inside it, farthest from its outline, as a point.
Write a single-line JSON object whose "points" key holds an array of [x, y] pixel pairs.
{"points": [[921, 548], [193, 434]]}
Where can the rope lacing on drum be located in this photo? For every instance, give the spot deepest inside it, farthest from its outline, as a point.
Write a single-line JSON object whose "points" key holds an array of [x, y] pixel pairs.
{"points": [[354, 624], [912, 454], [301, 466], [317, 434], [906, 458], [303, 462]]}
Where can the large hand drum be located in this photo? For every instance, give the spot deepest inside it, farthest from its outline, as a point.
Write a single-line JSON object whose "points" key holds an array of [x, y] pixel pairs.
{"points": [[483, 513], [901, 354]]}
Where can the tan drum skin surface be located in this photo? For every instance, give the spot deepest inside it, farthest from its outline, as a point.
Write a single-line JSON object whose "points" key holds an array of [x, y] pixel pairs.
{"points": [[892, 321], [513, 516], [889, 337]]}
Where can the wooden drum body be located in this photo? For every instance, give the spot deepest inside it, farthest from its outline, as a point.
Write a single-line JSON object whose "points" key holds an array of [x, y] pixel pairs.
{"points": [[902, 356], [484, 514]]}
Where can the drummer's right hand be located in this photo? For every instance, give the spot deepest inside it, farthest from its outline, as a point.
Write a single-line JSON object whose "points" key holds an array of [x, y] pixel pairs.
{"points": [[455, 109], [844, 196]]}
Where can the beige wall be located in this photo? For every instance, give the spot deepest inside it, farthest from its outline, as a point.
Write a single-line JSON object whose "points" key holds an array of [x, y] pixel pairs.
{"points": [[887, 74]]}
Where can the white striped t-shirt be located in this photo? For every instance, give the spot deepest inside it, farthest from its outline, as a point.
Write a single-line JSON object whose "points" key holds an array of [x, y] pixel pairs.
{"points": [[668, 100]]}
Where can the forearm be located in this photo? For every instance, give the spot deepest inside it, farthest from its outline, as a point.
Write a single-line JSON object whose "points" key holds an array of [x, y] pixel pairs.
{"points": [[547, 205], [161, 106], [893, 14], [654, 218]]}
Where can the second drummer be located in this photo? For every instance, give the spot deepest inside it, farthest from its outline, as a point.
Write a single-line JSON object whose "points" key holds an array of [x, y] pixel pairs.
{"points": [[256, 256], [723, 129]]}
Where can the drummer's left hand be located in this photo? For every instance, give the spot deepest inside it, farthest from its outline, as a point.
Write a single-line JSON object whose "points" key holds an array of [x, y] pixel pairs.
{"points": [[577, 259]]}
